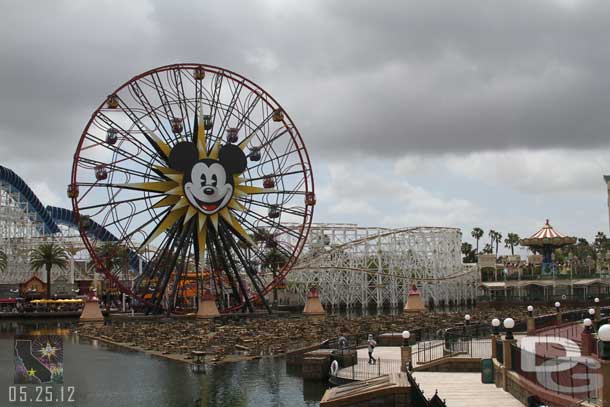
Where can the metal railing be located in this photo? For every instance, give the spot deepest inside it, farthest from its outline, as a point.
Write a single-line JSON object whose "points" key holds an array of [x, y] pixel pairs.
{"points": [[364, 370], [429, 351]]}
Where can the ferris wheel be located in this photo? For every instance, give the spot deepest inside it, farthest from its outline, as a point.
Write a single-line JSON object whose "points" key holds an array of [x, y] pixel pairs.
{"points": [[198, 176]]}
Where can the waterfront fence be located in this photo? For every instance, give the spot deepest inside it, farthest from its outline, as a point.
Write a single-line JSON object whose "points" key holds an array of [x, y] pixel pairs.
{"points": [[364, 370]]}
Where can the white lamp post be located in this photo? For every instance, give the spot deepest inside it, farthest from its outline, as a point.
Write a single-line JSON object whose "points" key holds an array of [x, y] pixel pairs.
{"points": [[509, 324], [587, 324], [530, 311], [604, 336], [495, 324], [405, 352], [405, 338]]}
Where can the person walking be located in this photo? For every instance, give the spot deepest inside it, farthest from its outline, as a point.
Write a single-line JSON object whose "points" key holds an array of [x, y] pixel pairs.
{"points": [[371, 348]]}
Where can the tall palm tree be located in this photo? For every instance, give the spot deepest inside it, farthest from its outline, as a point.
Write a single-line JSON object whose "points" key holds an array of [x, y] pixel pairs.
{"points": [[273, 259], [511, 241], [477, 233], [48, 255], [495, 239], [3, 261]]}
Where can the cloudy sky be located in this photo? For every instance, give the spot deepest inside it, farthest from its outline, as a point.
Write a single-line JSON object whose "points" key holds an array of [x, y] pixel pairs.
{"points": [[444, 113]]}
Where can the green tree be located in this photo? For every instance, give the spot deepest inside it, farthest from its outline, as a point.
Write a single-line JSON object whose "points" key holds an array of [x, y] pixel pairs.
{"points": [[48, 255], [469, 254], [113, 255], [477, 233], [600, 244], [3, 261], [495, 239], [511, 241], [272, 257], [488, 249]]}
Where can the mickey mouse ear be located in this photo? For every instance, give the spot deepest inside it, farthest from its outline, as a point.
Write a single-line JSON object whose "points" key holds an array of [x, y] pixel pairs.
{"points": [[232, 158], [183, 156]]}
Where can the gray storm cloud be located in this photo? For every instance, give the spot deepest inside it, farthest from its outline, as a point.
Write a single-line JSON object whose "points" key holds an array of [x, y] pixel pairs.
{"points": [[381, 78]]}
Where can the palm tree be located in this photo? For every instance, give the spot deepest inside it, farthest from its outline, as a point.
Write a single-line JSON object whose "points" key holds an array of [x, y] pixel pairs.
{"points": [[273, 259], [488, 249], [511, 241], [495, 239], [468, 253], [113, 254], [48, 255], [477, 233], [3, 261]]}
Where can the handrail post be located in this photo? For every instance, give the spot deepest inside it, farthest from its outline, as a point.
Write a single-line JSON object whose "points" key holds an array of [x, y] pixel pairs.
{"points": [[507, 360], [405, 356]]}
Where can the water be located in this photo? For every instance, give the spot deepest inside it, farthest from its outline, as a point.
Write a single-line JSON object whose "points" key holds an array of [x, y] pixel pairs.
{"points": [[104, 375]]}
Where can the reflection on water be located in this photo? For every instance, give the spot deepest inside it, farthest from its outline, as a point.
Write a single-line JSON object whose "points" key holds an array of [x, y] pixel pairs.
{"points": [[105, 375]]}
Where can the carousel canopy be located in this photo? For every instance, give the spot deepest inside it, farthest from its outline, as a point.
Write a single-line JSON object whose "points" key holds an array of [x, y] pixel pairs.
{"points": [[547, 236]]}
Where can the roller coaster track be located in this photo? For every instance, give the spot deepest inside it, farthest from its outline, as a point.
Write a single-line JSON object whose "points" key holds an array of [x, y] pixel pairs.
{"points": [[30, 200]]}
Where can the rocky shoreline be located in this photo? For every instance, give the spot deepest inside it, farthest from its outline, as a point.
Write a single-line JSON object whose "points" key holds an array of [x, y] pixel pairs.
{"points": [[251, 338]]}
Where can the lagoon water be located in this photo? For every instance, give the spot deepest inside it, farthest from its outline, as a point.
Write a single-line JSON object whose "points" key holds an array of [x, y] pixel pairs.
{"points": [[108, 376]]}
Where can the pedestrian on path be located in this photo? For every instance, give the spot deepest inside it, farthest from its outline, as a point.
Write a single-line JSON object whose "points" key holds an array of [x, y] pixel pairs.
{"points": [[372, 344]]}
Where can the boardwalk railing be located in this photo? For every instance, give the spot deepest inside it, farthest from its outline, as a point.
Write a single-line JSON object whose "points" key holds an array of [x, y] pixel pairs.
{"points": [[429, 351], [364, 370]]}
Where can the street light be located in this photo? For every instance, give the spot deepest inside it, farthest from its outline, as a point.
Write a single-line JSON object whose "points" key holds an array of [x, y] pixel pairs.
{"points": [[604, 336], [405, 352], [495, 324], [557, 305], [405, 338], [467, 319], [509, 324], [596, 300], [587, 323], [592, 312], [530, 311]]}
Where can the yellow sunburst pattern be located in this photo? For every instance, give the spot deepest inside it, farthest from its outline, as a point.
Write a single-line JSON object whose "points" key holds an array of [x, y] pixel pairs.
{"points": [[181, 209]]}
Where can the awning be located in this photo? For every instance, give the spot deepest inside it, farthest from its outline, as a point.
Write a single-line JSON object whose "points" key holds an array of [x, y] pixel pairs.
{"points": [[8, 300]]}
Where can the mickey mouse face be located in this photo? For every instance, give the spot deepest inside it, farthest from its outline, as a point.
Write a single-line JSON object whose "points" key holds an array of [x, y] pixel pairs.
{"points": [[208, 183]]}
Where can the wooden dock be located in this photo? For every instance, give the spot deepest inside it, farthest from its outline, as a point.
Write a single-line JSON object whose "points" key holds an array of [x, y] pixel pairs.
{"points": [[458, 388], [464, 390]]}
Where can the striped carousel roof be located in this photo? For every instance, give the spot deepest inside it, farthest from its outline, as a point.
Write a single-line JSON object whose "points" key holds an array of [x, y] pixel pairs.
{"points": [[547, 236]]}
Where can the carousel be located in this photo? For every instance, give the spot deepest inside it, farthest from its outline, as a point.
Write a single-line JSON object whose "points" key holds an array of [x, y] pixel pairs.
{"points": [[545, 242]]}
